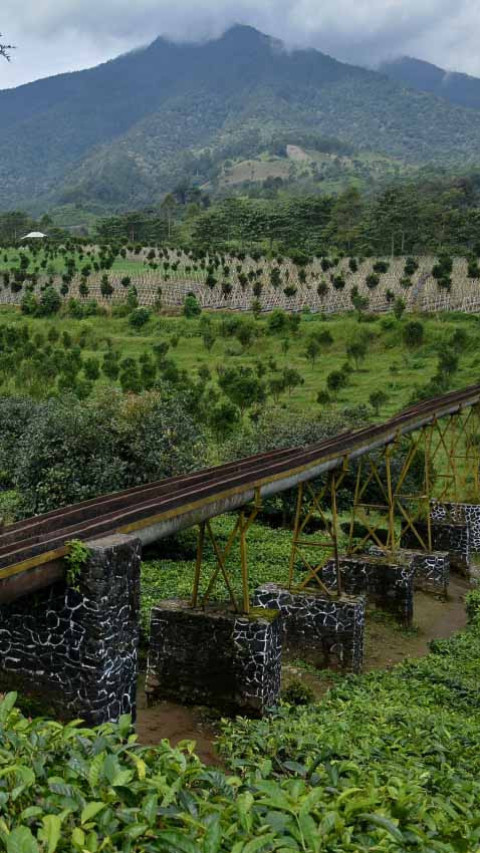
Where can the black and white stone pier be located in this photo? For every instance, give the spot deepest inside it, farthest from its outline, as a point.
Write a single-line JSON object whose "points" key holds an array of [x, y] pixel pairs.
{"points": [[327, 632], [448, 536], [78, 648], [432, 571], [214, 657], [462, 515], [390, 586]]}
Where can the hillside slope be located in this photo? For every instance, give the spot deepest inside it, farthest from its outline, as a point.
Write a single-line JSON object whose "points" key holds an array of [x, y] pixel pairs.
{"points": [[459, 89], [127, 131]]}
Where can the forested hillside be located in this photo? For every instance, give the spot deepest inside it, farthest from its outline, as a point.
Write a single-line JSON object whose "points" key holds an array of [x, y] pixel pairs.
{"points": [[127, 131], [461, 89]]}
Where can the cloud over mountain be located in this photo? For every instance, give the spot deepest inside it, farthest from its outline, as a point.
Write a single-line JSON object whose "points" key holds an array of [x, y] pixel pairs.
{"points": [[56, 35]]}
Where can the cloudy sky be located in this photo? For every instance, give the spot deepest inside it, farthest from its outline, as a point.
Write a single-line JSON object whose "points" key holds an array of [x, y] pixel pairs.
{"points": [[61, 35]]}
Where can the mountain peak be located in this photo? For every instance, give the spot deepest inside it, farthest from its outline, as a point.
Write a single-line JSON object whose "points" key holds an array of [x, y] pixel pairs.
{"points": [[244, 37]]}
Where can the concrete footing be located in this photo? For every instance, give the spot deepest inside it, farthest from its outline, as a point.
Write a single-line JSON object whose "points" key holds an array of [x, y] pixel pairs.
{"points": [[390, 586], [77, 649], [451, 537], [467, 516], [214, 657], [432, 571], [327, 632]]}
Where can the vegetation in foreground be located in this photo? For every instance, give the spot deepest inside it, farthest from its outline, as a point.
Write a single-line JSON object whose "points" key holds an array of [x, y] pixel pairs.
{"points": [[386, 762]]}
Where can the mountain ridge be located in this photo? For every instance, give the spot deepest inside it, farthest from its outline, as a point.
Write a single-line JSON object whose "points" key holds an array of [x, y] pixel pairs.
{"points": [[454, 86], [123, 133]]}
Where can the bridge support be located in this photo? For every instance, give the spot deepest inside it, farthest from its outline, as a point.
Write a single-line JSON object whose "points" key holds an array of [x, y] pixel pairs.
{"points": [[214, 657], [76, 649], [388, 585], [467, 515], [327, 632], [432, 571], [447, 536]]}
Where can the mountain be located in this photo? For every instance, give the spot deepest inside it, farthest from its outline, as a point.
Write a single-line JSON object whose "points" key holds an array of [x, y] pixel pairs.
{"points": [[460, 89], [127, 131]]}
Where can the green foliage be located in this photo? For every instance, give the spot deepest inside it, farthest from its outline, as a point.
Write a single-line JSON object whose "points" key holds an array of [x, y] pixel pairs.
{"points": [[76, 558], [472, 602], [132, 442], [377, 400], [139, 317], [298, 693], [389, 759], [191, 307], [242, 386], [413, 333]]}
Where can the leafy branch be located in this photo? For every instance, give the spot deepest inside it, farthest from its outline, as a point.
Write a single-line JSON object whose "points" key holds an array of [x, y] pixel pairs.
{"points": [[5, 48], [76, 558]]}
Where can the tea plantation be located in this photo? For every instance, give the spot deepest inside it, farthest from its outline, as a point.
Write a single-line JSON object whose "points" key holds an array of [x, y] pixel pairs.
{"points": [[386, 762]]}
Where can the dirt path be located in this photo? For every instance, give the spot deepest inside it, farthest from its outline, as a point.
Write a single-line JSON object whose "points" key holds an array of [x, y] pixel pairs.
{"points": [[176, 723], [386, 644]]}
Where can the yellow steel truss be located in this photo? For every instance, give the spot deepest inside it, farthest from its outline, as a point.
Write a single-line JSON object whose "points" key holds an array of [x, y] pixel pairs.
{"points": [[451, 461], [239, 532], [328, 546], [450, 452]]}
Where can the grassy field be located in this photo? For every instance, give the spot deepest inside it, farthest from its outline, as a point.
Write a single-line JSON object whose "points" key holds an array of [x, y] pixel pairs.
{"points": [[56, 266], [389, 364]]}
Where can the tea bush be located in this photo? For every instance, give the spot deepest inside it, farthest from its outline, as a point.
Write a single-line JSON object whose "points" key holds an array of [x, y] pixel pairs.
{"points": [[387, 762]]}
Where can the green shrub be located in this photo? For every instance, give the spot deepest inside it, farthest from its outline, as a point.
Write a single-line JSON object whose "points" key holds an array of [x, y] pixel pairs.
{"points": [[298, 693], [472, 603], [191, 307], [139, 317]]}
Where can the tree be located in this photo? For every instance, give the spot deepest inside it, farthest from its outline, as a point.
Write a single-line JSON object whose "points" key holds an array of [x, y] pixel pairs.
{"points": [[336, 380], [447, 362], [5, 48], [399, 307], [312, 350], [132, 442], [50, 302], [191, 307], [223, 418], [139, 317], [168, 206], [377, 400], [277, 321], [291, 379], [242, 386], [92, 369], [413, 334], [357, 350]]}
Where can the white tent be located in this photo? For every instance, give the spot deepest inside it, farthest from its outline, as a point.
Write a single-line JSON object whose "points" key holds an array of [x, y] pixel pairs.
{"points": [[34, 235]]}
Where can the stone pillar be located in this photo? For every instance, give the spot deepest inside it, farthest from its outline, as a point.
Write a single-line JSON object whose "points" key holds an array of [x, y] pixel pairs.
{"points": [[327, 632], [214, 657], [451, 537], [460, 514], [432, 570], [76, 649], [388, 585]]}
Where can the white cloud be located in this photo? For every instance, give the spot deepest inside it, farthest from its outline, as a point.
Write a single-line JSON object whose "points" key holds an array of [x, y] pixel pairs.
{"points": [[58, 35]]}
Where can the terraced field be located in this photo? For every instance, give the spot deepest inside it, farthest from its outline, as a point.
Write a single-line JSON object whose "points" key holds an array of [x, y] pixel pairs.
{"points": [[239, 282]]}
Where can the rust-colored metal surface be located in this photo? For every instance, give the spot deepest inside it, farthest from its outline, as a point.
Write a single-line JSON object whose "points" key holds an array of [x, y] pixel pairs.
{"points": [[31, 550]]}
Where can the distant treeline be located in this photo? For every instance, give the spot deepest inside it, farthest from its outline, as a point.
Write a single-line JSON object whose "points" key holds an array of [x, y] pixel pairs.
{"points": [[433, 215]]}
